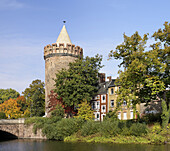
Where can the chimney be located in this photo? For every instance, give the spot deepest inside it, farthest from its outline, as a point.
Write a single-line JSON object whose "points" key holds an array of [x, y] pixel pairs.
{"points": [[109, 78], [101, 77]]}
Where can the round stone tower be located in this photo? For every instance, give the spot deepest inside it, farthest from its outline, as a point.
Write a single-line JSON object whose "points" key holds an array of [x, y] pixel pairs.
{"points": [[58, 56]]}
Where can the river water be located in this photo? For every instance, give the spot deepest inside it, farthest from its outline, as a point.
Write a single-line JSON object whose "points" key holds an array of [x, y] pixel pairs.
{"points": [[39, 145]]}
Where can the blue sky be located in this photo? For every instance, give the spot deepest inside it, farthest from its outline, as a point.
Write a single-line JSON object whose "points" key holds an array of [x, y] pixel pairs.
{"points": [[95, 25]]}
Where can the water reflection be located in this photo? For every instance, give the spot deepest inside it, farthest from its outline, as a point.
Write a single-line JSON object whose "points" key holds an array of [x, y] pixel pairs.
{"points": [[39, 145]]}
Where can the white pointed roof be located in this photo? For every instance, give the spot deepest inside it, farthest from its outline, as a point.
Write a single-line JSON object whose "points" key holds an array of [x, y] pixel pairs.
{"points": [[63, 37]]}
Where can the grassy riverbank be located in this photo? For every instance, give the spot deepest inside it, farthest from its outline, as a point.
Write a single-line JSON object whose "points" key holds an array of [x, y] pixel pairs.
{"points": [[149, 139], [108, 131]]}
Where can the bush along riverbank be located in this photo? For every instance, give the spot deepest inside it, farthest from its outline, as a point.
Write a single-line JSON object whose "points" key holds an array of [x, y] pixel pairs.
{"points": [[108, 131]]}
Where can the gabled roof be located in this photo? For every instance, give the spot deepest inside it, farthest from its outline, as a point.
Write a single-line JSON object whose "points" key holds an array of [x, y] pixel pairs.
{"points": [[112, 83], [63, 37], [103, 87]]}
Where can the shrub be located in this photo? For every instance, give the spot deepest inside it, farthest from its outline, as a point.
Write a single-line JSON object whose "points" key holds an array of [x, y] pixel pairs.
{"points": [[2, 115], [156, 128], [111, 115], [58, 111], [125, 131], [67, 127], [151, 118], [138, 129], [49, 130], [90, 127], [109, 128]]}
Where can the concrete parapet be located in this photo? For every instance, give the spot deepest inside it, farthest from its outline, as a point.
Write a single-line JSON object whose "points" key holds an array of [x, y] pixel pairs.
{"points": [[12, 121]]}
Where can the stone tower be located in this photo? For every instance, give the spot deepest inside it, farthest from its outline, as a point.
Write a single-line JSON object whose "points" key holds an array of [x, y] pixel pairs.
{"points": [[58, 56]]}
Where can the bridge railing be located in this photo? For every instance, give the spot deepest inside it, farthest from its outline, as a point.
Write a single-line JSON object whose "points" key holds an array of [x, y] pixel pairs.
{"points": [[12, 121]]}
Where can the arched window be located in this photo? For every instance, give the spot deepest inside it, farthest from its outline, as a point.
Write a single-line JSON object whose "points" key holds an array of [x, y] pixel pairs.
{"points": [[124, 103], [112, 103]]}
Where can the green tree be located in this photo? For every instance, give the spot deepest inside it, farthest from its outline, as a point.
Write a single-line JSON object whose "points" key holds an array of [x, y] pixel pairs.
{"points": [[35, 98], [38, 104], [162, 46], [142, 78], [6, 94], [79, 82], [84, 111], [2, 115]]}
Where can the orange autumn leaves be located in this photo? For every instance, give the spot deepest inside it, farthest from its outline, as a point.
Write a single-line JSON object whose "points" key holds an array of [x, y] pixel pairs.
{"points": [[13, 108]]}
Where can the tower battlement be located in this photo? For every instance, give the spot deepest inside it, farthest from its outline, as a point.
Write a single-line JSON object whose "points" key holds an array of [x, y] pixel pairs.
{"points": [[60, 50]]}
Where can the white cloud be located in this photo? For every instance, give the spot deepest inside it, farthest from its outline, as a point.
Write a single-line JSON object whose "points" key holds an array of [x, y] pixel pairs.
{"points": [[10, 4]]}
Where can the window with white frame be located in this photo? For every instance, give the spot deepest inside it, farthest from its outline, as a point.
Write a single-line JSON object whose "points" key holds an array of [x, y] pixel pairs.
{"points": [[98, 105], [119, 88], [131, 114], [102, 117], [103, 108], [125, 115], [112, 103], [112, 91], [93, 105], [103, 98], [98, 116], [119, 115]]}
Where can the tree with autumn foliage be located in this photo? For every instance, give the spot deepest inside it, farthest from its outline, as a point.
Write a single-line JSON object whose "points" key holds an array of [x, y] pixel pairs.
{"points": [[22, 103], [24, 107], [84, 111], [11, 109]]}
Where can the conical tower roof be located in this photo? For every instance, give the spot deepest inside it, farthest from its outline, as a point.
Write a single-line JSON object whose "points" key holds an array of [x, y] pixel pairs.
{"points": [[63, 37]]}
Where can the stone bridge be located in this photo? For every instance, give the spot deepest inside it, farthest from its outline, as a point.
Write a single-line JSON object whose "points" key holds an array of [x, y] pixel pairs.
{"points": [[15, 128]]}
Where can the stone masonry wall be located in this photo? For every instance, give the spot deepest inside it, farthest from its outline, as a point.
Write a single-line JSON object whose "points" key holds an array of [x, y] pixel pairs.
{"points": [[19, 129], [52, 66]]}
